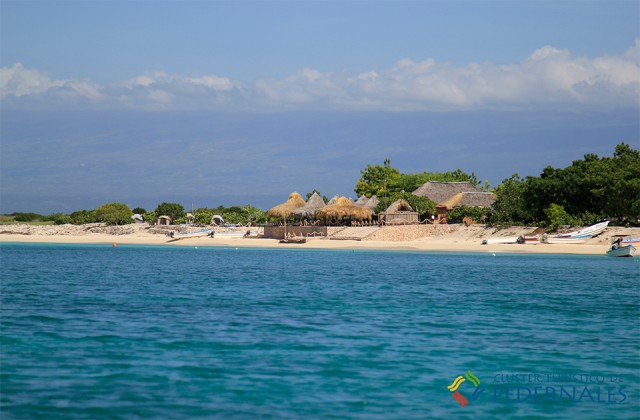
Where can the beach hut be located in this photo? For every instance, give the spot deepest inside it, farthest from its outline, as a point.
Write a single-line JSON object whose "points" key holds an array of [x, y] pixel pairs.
{"points": [[372, 203], [164, 220], [362, 201], [447, 195], [470, 199], [285, 209], [439, 192], [343, 208], [310, 208], [333, 200], [399, 213]]}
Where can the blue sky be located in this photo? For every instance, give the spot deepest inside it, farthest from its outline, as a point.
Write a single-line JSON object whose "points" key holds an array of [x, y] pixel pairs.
{"points": [[243, 102]]}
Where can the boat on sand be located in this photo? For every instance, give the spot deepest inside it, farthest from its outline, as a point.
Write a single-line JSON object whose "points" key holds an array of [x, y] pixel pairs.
{"points": [[194, 234]]}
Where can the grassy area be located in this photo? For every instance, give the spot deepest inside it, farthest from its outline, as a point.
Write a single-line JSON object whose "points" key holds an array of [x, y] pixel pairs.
{"points": [[9, 220]]}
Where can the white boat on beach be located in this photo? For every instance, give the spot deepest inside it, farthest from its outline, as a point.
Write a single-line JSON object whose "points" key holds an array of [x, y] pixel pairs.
{"points": [[235, 233], [194, 234], [501, 240], [593, 230], [568, 240]]}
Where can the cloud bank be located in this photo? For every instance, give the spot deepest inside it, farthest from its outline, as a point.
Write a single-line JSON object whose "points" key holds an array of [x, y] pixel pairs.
{"points": [[549, 78]]}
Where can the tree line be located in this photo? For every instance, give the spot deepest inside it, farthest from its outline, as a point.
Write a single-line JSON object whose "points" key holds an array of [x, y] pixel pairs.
{"points": [[121, 214], [589, 190]]}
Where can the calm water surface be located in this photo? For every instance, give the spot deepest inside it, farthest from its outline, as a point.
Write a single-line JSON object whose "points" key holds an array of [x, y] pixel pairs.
{"points": [[156, 332]]}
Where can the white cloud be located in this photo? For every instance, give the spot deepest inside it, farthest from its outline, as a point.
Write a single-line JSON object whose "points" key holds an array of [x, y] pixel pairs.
{"points": [[18, 81], [546, 78]]}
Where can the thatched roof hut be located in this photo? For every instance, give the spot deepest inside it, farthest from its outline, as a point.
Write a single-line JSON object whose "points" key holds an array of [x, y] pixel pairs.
{"points": [[285, 209], [343, 207], [439, 192], [361, 201], [398, 206], [314, 203], [470, 199], [372, 203], [333, 200]]}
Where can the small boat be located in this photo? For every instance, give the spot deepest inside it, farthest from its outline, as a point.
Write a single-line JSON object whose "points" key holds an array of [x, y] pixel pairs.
{"points": [[619, 250], [593, 230], [631, 241], [622, 251], [195, 234], [581, 239], [235, 233], [501, 240], [531, 239]]}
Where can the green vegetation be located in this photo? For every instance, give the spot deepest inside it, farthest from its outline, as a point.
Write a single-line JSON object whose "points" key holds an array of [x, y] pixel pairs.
{"points": [[385, 180], [589, 190], [235, 214], [114, 214], [174, 210]]}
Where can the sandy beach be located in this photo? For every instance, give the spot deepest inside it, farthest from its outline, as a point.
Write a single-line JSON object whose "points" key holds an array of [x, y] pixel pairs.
{"points": [[446, 238]]}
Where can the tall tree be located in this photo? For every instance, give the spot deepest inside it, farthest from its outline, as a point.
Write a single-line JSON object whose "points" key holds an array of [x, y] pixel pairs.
{"points": [[114, 214], [174, 210]]}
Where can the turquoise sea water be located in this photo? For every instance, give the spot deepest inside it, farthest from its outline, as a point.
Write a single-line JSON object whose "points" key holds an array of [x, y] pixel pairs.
{"points": [[156, 332]]}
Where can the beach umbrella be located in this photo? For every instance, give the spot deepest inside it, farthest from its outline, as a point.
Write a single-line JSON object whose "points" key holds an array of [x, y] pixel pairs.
{"points": [[343, 207], [285, 209], [310, 208]]}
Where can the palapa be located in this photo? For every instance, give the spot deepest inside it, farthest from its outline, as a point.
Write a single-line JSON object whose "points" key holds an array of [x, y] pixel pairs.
{"points": [[310, 208], [439, 192], [373, 202], [398, 206], [361, 201], [285, 209], [343, 207], [470, 199]]}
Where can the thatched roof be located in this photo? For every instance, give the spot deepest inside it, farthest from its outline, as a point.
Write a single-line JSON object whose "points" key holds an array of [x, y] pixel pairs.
{"points": [[284, 210], [333, 200], [361, 201], [439, 192], [373, 202], [311, 207], [343, 207], [470, 199], [398, 206]]}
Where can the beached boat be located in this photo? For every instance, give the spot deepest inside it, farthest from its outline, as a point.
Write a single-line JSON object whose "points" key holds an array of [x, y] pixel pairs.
{"points": [[622, 251], [568, 240], [235, 233], [531, 239], [500, 240], [593, 230], [194, 234], [631, 241]]}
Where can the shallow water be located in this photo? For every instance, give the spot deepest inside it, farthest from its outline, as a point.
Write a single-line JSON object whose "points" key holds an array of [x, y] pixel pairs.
{"points": [[158, 332]]}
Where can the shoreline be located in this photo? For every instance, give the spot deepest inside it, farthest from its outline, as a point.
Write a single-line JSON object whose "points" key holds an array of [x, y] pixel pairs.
{"points": [[427, 245], [448, 238]]}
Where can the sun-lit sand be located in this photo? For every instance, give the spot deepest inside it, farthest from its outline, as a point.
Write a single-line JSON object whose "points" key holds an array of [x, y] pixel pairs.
{"points": [[454, 239]]}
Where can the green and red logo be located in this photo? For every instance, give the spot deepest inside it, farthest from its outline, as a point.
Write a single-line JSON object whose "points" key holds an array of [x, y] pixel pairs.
{"points": [[455, 393]]}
